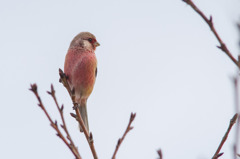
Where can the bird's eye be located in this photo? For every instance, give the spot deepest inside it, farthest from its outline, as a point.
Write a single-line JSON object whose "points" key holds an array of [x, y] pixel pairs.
{"points": [[90, 39]]}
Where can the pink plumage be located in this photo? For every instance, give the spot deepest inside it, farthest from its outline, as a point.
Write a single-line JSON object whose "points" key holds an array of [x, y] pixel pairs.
{"points": [[81, 69]]}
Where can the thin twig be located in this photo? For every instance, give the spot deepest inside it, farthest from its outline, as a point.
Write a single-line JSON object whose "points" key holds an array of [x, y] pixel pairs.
{"points": [[160, 154], [232, 122], [129, 127], [89, 136], [235, 147], [53, 124], [209, 21], [64, 126]]}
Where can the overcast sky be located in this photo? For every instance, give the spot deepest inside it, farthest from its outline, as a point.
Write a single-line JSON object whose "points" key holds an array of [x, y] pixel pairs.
{"points": [[157, 58]]}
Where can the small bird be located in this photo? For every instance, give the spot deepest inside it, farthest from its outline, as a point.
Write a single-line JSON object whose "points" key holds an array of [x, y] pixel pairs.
{"points": [[81, 69]]}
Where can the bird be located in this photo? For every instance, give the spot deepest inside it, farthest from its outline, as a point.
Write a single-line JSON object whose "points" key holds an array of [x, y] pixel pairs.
{"points": [[80, 67]]}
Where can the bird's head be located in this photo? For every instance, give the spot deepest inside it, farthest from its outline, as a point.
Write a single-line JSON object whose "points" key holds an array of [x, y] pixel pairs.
{"points": [[85, 40]]}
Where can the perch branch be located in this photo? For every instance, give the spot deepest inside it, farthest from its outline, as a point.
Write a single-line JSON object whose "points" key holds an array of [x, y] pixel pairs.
{"points": [[89, 136], [129, 127], [209, 21], [54, 124], [232, 122]]}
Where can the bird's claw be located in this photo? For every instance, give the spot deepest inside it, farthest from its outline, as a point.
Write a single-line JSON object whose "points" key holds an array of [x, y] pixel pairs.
{"points": [[75, 106]]}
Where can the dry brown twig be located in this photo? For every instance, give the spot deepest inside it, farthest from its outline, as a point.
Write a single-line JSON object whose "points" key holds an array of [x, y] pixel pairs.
{"points": [[89, 137], [160, 154], [209, 21], [224, 48], [232, 122], [129, 127], [235, 147], [68, 140], [54, 125], [64, 126]]}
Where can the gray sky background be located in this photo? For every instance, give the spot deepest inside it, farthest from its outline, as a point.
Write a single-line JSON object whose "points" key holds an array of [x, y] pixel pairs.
{"points": [[157, 58]]}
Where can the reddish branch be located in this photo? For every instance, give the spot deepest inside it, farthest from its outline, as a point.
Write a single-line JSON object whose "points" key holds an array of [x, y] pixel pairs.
{"points": [[54, 125], [224, 48], [64, 126], [232, 122], [209, 21], [89, 137], [129, 127], [160, 154], [236, 87]]}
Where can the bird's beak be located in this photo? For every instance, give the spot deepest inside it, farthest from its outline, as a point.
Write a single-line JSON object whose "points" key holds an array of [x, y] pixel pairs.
{"points": [[96, 44]]}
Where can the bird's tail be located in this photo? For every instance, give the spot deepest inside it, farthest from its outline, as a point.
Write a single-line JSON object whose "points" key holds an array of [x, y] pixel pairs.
{"points": [[83, 112]]}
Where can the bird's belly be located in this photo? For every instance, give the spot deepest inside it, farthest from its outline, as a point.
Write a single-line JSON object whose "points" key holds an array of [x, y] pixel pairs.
{"points": [[83, 78]]}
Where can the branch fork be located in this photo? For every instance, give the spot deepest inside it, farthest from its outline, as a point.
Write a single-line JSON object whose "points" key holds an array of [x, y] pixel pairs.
{"points": [[209, 21], [129, 128], [67, 140]]}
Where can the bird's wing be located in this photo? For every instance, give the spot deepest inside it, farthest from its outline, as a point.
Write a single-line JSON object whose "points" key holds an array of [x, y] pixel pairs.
{"points": [[96, 72]]}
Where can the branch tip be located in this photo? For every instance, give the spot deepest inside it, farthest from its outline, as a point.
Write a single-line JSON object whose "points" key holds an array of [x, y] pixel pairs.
{"points": [[120, 140], [234, 119], [73, 115], [52, 89], [220, 154], [160, 153], [232, 122], [61, 73], [62, 107], [33, 87], [133, 115], [211, 22]]}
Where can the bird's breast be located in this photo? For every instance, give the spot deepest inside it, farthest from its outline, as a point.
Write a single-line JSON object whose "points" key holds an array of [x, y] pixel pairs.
{"points": [[80, 67]]}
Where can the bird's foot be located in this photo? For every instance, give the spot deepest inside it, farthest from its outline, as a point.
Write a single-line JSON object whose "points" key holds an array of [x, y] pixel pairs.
{"points": [[75, 106], [90, 139]]}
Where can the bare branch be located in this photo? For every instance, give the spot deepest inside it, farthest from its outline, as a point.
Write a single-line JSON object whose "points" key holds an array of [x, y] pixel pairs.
{"points": [[63, 80], [236, 93], [232, 122], [54, 124], [129, 127], [209, 21], [52, 93], [160, 154]]}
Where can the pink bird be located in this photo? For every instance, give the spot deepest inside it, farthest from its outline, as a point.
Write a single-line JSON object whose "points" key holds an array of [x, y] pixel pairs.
{"points": [[81, 69]]}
